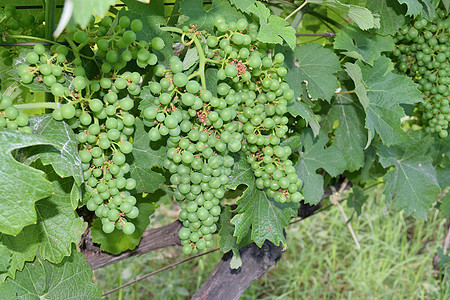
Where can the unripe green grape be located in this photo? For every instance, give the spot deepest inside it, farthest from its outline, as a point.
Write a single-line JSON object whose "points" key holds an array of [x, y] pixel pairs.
{"points": [[124, 21], [112, 56], [57, 90], [68, 111], [56, 114], [126, 103], [11, 112], [136, 25], [157, 43], [108, 227], [212, 41], [176, 66], [32, 58]]}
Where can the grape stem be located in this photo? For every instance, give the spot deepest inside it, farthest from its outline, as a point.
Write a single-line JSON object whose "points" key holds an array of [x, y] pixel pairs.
{"points": [[18, 36], [296, 10], [201, 54], [38, 105], [74, 47]]}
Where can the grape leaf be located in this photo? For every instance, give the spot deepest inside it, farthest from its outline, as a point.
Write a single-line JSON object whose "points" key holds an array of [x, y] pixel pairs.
{"points": [[412, 184], [419, 7], [392, 15], [190, 58], [362, 45], [297, 108], [54, 231], [272, 29], [445, 206], [117, 242], [363, 17], [23, 248], [380, 92], [316, 66], [356, 199], [71, 279], [314, 155], [227, 241], [20, 186], [5, 258], [243, 5], [211, 83], [83, 10], [65, 161], [294, 142], [264, 217], [152, 16], [204, 19], [446, 5], [57, 221], [350, 135], [146, 155]]}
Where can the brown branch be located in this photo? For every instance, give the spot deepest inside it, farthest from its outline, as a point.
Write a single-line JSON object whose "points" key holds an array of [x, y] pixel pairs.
{"points": [[158, 271], [227, 284], [152, 239]]}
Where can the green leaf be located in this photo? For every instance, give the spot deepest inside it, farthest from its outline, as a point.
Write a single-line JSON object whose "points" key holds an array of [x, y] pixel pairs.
{"points": [[363, 17], [256, 213], [190, 58], [211, 83], [381, 92], [57, 221], [392, 15], [272, 29], [152, 16], [227, 241], [243, 5], [23, 248], [84, 10], [117, 242], [297, 108], [362, 45], [5, 258], [350, 136], [444, 207], [316, 66], [411, 185], [20, 186], [65, 160], [54, 231], [294, 142], [313, 156], [419, 7], [71, 279], [357, 199], [146, 155], [204, 19]]}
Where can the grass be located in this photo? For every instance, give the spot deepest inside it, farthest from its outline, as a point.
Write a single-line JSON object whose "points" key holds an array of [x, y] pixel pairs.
{"points": [[321, 262]]}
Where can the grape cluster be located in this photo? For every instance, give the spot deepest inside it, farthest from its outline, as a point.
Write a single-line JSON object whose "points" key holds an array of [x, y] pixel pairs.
{"points": [[254, 81], [119, 46], [422, 52], [10, 117], [98, 109], [13, 23], [203, 129]]}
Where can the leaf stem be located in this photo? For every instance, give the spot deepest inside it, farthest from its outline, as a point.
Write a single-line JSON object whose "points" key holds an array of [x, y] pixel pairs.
{"points": [[37, 105], [18, 36], [296, 10], [346, 92], [172, 29]]}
